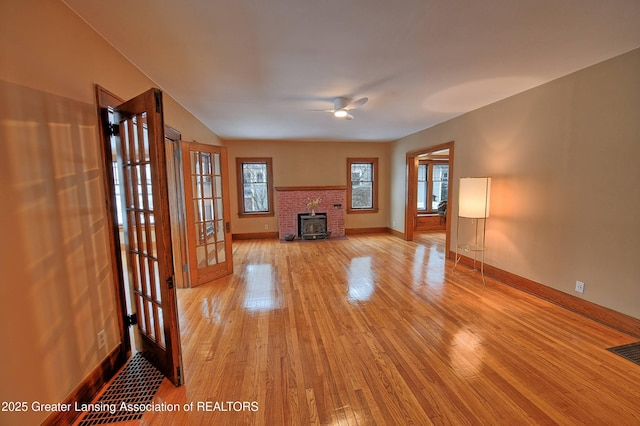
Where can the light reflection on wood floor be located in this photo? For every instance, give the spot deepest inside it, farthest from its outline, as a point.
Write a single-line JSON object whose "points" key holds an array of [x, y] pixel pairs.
{"points": [[376, 330]]}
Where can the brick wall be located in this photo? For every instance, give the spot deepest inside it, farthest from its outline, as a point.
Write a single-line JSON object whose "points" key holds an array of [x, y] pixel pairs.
{"points": [[291, 200]]}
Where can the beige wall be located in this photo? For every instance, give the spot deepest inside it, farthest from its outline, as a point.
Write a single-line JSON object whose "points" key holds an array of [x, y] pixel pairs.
{"points": [[566, 181], [57, 284], [46, 46], [299, 163], [57, 281]]}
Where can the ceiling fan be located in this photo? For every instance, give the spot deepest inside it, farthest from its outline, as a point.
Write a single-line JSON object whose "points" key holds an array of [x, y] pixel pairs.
{"points": [[342, 106]]}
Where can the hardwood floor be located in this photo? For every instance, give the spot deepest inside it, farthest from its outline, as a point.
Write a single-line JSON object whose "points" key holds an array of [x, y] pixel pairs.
{"points": [[376, 330]]}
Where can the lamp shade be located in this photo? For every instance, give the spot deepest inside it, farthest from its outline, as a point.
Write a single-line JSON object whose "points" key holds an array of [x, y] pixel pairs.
{"points": [[474, 197]]}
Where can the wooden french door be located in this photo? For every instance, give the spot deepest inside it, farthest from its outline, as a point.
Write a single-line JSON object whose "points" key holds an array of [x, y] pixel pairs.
{"points": [[146, 211], [207, 206]]}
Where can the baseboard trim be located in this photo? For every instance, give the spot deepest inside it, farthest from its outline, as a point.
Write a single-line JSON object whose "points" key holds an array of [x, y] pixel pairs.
{"points": [[255, 236], [86, 391], [395, 233], [348, 231], [353, 231], [609, 317]]}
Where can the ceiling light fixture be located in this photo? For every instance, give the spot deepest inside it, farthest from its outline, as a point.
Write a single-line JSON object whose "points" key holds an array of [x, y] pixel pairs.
{"points": [[342, 107]]}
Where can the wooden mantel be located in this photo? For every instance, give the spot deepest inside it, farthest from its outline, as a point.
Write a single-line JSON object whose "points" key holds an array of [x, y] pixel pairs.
{"points": [[310, 188]]}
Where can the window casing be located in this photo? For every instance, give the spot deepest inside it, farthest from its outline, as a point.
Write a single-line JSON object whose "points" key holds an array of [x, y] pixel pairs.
{"points": [[362, 185], [255, 187], [433, 185]]}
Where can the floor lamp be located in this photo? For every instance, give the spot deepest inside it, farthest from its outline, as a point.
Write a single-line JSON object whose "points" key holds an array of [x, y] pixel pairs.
{"points": [[474, 199]]}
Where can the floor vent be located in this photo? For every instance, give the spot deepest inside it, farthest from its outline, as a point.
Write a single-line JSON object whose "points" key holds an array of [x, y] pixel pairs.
{"points": [[630, 352], [136, 385]]}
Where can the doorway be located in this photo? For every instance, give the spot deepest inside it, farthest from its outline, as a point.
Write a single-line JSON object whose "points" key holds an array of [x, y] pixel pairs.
{"points": [[413, 162]]}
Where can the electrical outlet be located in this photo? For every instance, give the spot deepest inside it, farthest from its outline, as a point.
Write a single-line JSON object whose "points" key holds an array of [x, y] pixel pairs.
{"points": [[266, 226], [579, 286], [102, 342]]}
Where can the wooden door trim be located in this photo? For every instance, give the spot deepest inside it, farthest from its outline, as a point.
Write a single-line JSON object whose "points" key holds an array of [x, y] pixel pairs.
{"points": [[104, 100]]}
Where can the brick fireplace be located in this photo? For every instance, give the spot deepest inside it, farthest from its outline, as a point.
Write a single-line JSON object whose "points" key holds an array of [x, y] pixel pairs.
{"points": [[292, 200]]}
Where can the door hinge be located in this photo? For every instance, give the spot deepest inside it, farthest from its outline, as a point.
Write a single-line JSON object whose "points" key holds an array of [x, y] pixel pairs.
{"points": [[170, 282], [227, 227], [113, 129], [130, 320]]}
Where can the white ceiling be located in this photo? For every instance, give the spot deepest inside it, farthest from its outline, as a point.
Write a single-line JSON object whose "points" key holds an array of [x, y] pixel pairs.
{"points": [[253, 69]]}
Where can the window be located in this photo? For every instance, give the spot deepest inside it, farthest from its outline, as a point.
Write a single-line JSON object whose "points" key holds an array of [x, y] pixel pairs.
{"points": [[433, 185], [362, 193], [423, 190], [439, 184], [255, 186]]}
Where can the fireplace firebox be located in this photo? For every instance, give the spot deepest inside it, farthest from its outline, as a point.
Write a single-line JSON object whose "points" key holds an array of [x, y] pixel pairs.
{"points": [[312, 227]]}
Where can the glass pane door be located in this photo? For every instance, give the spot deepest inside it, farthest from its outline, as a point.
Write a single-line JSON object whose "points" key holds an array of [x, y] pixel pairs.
{"points": [[146, 221], [209, 225]]}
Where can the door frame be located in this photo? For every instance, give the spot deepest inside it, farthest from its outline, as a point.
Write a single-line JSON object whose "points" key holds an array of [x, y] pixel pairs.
{"points": [[105, 100], [411, 208]]}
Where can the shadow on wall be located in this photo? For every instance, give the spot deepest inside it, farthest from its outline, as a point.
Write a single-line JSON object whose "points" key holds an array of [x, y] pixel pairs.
{"points": [[55, 246]]}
